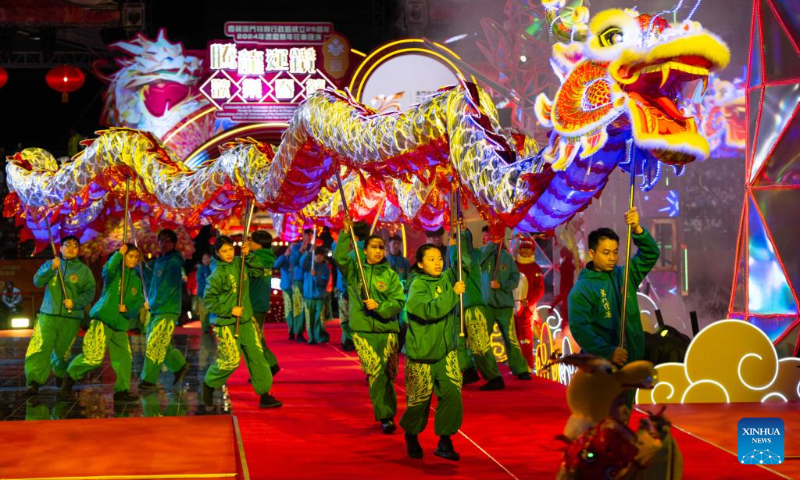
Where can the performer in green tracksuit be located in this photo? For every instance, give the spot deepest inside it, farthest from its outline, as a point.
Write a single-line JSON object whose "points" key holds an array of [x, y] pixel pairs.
{"points": [[284, 264], [477, 329], [110, 325], [59, 318], [402, 268], [222, 296], [164, 297], [261, 288], [374, 321], [361, 230], [431, 359], [595, 301], [498, 292], [203, 271], [316, 274], [298, 302]]}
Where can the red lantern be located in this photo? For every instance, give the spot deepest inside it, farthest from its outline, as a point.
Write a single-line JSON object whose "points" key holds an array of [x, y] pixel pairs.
{"points": [[65, 79], [3, 77]]}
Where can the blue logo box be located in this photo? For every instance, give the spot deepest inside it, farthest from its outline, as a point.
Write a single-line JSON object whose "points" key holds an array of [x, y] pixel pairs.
{"points": [[761, 441]]}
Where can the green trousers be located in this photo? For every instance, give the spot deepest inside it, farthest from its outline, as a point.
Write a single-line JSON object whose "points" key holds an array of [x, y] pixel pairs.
{"points": [[260, 318], [479, 342], [378, 355], [504, 317], [229, 354], [50, 347], [98, 338], [315, 326], [344, 316], [159, 348], [298, 309], [202, 313], [423, 379], [288, 310], [465, 359]]}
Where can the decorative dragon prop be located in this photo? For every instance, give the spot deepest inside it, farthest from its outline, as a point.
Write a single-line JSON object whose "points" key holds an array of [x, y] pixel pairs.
{"points": [[621, 80], [156, 89]]}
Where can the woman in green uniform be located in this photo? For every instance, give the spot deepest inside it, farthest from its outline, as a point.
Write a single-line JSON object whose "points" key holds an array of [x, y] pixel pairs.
{"points": [[431, 358]]}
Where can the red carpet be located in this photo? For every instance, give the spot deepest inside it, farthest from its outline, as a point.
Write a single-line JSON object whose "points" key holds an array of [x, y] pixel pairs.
{"points": [[166, 447], [326, 430]]}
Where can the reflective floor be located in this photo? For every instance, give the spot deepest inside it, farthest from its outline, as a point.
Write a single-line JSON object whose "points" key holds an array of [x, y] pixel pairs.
{"points": [[93, 397]]}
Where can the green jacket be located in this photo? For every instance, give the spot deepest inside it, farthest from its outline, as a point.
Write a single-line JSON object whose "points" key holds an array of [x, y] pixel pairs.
{"points": [[107, 307], [79, 283], [507, 275], [595, 304], [222, 291], [165, 291], [431, 319], [384, 287], [471, 270], [261, 285]]}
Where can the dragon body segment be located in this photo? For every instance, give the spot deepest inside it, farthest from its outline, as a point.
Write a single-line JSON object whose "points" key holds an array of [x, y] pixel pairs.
{"points": [[616, 106]]}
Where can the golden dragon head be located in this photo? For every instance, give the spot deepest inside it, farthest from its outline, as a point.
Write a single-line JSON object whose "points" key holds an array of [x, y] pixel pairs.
{"points": [[623, 75]]}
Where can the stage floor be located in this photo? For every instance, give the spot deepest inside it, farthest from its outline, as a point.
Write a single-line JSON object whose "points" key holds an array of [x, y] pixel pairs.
{"points": [[326, 428], [93, 396]]}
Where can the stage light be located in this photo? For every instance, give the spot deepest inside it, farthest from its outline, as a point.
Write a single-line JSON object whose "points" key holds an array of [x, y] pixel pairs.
{"points": [[523, 58], [21, 322], [189, 314]]}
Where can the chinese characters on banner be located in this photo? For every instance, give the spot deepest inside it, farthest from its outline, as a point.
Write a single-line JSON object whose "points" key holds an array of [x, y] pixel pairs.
{"points": [[267, 69]]}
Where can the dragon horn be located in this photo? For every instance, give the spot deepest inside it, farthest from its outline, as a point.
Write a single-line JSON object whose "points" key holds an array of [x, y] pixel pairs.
{"points": [[566, 25]]}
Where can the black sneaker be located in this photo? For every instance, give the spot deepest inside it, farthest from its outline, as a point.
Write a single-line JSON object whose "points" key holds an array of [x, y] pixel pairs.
{"points": [[32, 390], [413, 447], [388, 426], [208, 395], [445, 449], [524, 376], [147, 387], [268, 401], [66, 388], [470, 375], [125, 397], [275, 369], [300, 338], [496, 383], [291, 336], [180, 374]]}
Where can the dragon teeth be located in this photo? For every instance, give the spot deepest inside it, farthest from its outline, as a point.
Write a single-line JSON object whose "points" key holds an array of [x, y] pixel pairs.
{"points": [[667, 67]]}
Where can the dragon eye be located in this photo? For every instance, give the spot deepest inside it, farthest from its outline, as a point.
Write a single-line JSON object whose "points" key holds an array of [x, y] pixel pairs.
{"points": [[610, 36]]}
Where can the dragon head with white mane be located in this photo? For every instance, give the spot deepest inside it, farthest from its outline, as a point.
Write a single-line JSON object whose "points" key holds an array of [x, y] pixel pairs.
{"points": [[156, 89]]}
